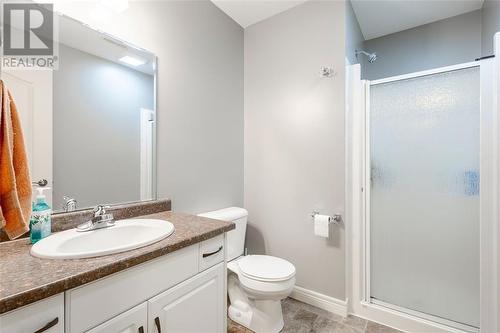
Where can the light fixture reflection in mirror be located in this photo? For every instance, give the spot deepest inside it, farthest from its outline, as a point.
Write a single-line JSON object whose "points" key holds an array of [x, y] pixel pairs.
{"points": [[132, 60]]}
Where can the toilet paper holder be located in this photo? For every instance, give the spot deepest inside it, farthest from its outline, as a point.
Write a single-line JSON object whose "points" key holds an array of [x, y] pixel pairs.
{"points": [[332, 219]]}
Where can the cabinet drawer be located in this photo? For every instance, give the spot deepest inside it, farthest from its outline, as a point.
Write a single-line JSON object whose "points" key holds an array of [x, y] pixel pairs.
{"points": [[134, 320], [211, 252], [92, 304], [47, 313]]}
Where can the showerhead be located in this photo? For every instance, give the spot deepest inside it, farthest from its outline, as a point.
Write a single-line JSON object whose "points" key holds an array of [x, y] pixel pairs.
{"points": [[372, 57]]}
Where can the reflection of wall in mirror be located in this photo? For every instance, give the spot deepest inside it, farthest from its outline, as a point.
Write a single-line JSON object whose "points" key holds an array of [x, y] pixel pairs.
{"points": [[32, 93], [97, 110]]}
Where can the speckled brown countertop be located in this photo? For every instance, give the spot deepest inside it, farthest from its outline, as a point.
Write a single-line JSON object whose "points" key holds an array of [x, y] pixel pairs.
{"points": [[25, 279]]}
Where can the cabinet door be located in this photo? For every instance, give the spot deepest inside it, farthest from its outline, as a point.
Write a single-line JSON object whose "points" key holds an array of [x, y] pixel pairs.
{"points": [[131, 321], [45, 316], [194, 306]]}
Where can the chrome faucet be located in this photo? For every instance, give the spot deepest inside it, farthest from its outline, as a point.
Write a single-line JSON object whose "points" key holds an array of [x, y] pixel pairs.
{"points": [[100, 220]]}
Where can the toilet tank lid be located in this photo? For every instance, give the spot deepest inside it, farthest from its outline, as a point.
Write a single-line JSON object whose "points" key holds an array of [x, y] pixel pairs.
{"points": [[226, 214]]}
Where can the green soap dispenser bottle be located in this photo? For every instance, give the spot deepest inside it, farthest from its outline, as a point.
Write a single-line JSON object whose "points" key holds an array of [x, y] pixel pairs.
{"points": [[40, 225]]}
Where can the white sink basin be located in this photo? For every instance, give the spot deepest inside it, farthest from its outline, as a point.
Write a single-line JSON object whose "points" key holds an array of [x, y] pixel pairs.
{"points": [[124, 235]]}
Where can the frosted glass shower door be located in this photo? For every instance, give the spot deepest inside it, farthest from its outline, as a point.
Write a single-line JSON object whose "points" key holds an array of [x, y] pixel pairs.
{"points": [[424, 194]]}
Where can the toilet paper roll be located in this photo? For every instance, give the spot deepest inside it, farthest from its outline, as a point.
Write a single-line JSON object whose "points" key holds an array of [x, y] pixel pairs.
{"points": [[322, 225]]}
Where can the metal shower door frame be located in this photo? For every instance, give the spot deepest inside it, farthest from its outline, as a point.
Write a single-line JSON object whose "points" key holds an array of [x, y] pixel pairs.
{"points": [[487, 143]]}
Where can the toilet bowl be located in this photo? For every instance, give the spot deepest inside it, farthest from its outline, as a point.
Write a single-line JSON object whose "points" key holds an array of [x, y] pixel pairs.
{"points": [[256, 284]]}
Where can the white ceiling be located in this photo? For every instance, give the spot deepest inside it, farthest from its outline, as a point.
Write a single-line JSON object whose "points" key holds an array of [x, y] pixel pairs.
{"points": [[376, 17], [379, 18], [248, 12]]}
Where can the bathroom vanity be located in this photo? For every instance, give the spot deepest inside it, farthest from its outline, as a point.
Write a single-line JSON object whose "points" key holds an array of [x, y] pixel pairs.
{"points": [[175, 285]]}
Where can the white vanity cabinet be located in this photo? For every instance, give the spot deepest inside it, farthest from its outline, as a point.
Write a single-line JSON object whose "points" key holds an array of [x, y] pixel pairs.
{"points": [[94, 303], [180, 292], [45, 316], [193, 306], [183, 292]]}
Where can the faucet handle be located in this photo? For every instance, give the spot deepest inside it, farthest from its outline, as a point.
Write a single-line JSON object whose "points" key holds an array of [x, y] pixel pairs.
{"points": [[100, 210], [69, 204]]}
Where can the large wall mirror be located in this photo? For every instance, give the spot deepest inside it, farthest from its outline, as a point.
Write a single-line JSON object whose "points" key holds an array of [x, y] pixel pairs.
{"points": [[89, 126]]}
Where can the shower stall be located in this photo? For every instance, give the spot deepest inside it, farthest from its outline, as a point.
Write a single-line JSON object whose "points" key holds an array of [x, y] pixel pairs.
{"points": [[423, 198]]}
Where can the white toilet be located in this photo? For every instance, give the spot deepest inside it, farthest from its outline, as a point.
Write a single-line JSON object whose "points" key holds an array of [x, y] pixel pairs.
{"points": [[256, 284]]}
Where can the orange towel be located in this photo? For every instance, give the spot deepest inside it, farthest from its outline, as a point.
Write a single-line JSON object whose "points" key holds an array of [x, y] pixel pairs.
{"points": [[15, 181]]}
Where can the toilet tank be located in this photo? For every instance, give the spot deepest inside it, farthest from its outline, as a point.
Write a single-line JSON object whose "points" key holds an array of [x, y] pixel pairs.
{"points": [[236, 237]]}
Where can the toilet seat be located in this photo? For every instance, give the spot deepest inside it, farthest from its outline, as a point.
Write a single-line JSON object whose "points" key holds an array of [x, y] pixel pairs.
{"points": [[266, 268], [260, 279]]}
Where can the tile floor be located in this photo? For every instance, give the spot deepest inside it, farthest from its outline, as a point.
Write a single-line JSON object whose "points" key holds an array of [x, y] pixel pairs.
{"points": [[304, 318]]}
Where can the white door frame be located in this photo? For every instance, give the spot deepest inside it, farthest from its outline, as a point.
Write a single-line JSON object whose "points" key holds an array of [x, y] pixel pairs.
{"points": [[147, 130], [358, 206], [37, 126]]}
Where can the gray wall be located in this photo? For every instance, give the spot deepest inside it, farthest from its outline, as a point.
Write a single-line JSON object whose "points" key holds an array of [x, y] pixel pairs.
{"points": [[200, 96], [294, 140], [451, 41], [97, 129], [490, 25], [353, 36], [200, 102]]}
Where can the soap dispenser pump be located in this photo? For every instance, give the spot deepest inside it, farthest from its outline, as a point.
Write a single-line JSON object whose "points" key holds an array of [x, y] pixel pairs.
{"points": [[40, 225]]}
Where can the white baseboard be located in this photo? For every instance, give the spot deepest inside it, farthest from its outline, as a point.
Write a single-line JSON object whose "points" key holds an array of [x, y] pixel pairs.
{"points": [[321, 301]]}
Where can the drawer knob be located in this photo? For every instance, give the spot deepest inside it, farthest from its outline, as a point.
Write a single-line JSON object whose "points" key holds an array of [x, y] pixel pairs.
{"points": [[212, 253], [49, 325]]}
